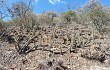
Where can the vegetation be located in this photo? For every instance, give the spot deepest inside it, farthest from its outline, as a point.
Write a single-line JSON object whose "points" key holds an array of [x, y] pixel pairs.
{"points": [[73, 30], [22, 15], [99, 16], [69, 16]]}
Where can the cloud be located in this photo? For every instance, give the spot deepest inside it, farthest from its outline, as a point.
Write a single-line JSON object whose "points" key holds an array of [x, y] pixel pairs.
{"points": [[51, 2], [55, 1], [36, 1]]}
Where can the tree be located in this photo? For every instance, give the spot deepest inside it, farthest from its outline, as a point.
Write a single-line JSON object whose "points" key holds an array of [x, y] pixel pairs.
{"points": [[98, 15], [3, 12], [46, 17], [69, 16], [21, 10]]}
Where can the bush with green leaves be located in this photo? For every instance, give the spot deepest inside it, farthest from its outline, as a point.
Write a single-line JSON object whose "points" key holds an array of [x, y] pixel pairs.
{"points": [[69, 16], [98, 15]]}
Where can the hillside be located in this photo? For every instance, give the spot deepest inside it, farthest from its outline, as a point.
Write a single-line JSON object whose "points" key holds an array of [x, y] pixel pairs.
{"points": [[72, 40]]}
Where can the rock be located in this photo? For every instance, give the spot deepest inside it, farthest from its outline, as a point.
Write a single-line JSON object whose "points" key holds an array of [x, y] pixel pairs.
{"points": [[94, 55], [1, 66], [13, 66], [31, 45], [107, 61], [96, 67]]}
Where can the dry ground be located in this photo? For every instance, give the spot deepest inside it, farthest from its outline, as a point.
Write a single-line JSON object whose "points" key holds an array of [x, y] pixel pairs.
{"points": [[88, 53]]}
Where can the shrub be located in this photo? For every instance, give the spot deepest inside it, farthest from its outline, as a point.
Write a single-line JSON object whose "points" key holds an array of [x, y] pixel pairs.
{"points": [[1, 24], [98, 15], [69, 16], [46, 18]]}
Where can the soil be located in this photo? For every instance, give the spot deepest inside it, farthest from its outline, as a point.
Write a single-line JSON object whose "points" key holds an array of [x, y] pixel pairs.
{"points": [[39, 59]]}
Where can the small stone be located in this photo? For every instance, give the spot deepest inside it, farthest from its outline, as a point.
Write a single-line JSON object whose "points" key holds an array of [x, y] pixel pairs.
{"points": [[13, 65], [107, 61]]}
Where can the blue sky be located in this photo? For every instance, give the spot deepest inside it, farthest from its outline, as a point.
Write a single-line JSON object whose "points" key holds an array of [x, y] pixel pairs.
{"points": [[39, 6], [61, 5], [55, 5]]}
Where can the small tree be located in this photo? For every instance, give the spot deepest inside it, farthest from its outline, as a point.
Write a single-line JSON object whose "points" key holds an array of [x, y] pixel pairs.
{"points": [[98, 15], [2, 14], [46, 17], [20, 10], [69, 16]]}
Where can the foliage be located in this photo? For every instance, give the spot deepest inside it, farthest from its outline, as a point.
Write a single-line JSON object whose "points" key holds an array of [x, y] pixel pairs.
{"points": [[23, 16], [98, 15], [29, 21], [1, 26], [69, 16], [46, 18], [20, 10]]}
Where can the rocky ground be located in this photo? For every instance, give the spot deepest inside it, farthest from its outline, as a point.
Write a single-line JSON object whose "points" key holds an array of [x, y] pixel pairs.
{"points": [[44, 60], [56, 49]]}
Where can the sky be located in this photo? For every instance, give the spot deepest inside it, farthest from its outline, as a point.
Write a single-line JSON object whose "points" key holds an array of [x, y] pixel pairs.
{"points": [[56, 5], [39, 6], [61, 5]]}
